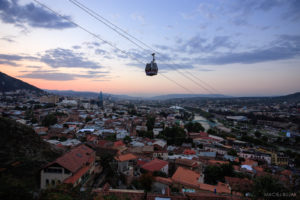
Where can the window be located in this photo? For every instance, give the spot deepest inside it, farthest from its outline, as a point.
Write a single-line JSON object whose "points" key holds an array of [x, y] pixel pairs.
{"points": [[47, 182], [53, 182], [67, 171], [53, 170]]}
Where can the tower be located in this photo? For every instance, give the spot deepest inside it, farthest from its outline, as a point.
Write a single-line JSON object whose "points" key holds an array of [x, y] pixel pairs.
{"points": [[101, 99]]}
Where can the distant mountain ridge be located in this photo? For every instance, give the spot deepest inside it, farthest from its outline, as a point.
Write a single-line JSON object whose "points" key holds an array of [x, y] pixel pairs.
{"points": [[8, 83], [176, 96], [87, 94]]}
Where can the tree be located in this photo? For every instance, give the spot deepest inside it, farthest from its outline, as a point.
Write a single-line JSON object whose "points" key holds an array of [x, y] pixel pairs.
{"points": [[213, 174], [111, 137], [87, 119], [174, 135], [232, 152], [257, 134], [194, 127], [127, 139], [150, 122], [49, 120], [145, 134], [266, 184], [265, 138], [146, 181]]}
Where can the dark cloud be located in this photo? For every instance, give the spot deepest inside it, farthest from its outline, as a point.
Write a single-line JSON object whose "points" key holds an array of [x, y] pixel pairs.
{"points": [[67, 58], [10, 59], [6, 62], [293, 12], [286, 47], [58, 76], [14, 13]]}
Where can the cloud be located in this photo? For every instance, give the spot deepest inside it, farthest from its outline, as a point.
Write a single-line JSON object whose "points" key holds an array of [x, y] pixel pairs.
{"points": [[138, 17], [8, 39], [198, 44], [6, 62], [242, 10], [67, 58], [13, 13], [293, 13], [285, 47], [100, 52], [35, 67], [76, 47], [53, 75], [10, 59]]}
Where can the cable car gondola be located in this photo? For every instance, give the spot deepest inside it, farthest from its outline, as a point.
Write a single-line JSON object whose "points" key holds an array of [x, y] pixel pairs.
{"points": [[151, 68]]}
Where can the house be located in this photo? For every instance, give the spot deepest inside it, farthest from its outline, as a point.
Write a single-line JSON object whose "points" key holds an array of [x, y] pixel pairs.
{"points": [[73, 167], [189, 152], [197, 135], [125, 161], [241, 185], [187, 163], [187, 178], [159, 144], [161, 184], [208, 154], [163, 154], [156, 165]]}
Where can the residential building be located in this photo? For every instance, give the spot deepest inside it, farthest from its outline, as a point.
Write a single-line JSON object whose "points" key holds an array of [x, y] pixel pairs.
{"points": [[73, 167]]}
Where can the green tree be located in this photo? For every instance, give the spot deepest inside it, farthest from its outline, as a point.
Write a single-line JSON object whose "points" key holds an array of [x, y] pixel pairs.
{"points": [[127, 139], [213, 174], [257, 134], [150, 123], [194, 127], [174, 135], [146, 181], [49, 120], [145, 134], [87, 119], [232, 152], [266, 184]]}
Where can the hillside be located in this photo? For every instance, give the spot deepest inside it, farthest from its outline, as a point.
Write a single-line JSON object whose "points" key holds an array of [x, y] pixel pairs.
{"points": [[22, 154], [8, 83]]}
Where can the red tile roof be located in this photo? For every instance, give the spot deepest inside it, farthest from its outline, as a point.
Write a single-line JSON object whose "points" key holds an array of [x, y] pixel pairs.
{"points": [[75, 158], [186, 162], [167, 181], [286, 172], [125, 157], [186, 177], [119, 143], [155, 165], [77, 175], [249, 162], [219, 188], [217, 162], [239, 184], [189, 152]]}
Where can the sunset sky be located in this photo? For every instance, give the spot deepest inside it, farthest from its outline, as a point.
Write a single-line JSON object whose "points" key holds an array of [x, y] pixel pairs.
{"points": [[238, 48]]}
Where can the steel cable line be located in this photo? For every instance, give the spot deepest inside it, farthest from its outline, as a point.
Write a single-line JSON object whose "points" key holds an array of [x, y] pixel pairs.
{"points": [[106, 42], [118, 30]]}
